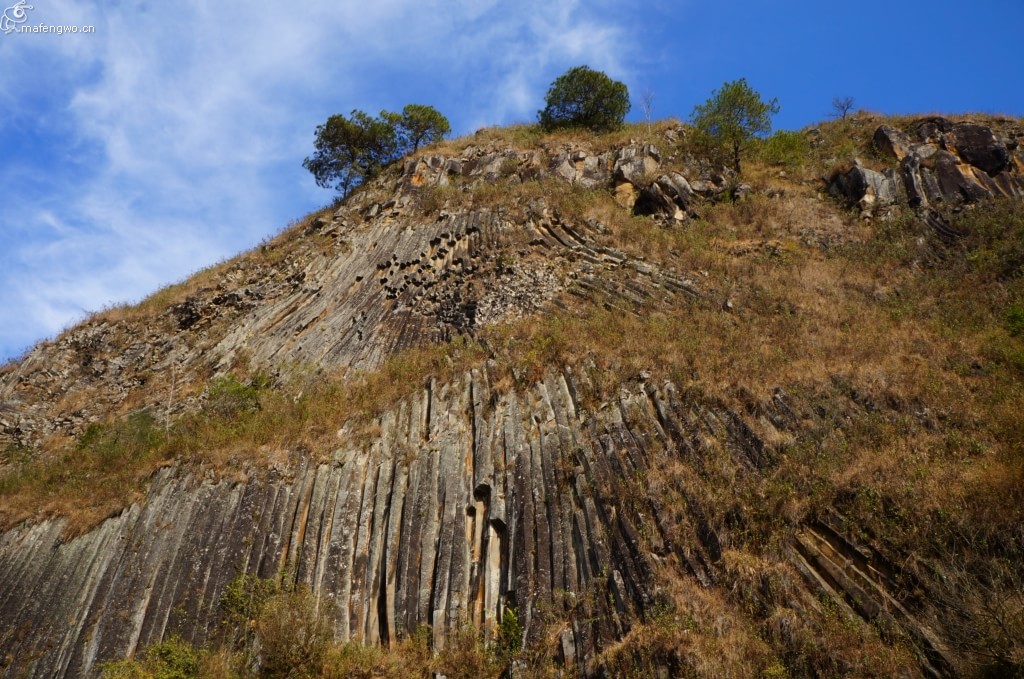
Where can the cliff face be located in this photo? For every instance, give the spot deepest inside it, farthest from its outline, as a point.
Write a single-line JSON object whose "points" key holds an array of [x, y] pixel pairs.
{"points": [[468, 502], [589, 500]]}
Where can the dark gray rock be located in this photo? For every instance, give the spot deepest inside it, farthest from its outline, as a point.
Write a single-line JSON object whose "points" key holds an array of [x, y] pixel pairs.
{"points": [[978, 146], [634, 163], [467, 501], [864, 187], [892, 142], [956, 181]]}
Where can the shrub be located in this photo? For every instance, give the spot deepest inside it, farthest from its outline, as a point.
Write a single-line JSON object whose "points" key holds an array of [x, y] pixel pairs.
{"points": [[583, 97], [112, 445], [786, 148], [293, 636], [242, 603], [465, 657], [227, 397], [509, 641], [170, 659], [1015, 319]]}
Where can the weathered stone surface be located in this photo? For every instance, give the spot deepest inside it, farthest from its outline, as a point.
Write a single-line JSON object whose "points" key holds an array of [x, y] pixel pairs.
{"points": [[913, 184], [957, 181], [626, 194], [678, 189], [864, 187], [634, 163], [893, 142], [466, 501], [707, 188], [977, 145], [951, 162], [655, 199]]}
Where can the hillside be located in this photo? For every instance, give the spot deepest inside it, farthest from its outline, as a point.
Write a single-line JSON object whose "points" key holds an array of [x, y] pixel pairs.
{"points": [[555, 403]]}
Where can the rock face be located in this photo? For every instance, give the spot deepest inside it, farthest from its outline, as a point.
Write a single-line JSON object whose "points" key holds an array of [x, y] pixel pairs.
{"points": [[949, 163], [467, 502]]}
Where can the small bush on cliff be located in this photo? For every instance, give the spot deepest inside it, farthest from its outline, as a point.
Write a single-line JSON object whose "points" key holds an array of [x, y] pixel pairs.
{"points": [[583, 97], [115, 444], [293, 636], [170, 659], [786, 148]]}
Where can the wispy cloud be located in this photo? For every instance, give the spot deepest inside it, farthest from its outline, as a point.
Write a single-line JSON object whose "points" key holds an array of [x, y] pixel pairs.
{"points": [[172, 137]]}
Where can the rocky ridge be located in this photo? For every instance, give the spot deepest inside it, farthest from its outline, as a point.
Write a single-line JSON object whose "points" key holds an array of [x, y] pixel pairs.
{"points": [[940, 162]]}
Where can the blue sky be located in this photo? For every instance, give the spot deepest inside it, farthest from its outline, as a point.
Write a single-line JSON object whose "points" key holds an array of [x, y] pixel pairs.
{"points": [[172, 137]]}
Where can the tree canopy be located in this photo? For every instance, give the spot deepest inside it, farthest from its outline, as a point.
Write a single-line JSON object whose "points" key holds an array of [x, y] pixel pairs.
{"points": [[419, 125], [734, 115], [583, 97], [352, 150]]}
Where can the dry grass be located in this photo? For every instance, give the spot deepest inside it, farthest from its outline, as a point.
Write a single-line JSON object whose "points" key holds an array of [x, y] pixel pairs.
{"points": [[271, 250], [244, 426], [527, 136]]}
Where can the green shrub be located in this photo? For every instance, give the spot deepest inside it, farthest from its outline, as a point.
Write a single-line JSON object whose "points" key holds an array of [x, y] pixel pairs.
{"points": [[509, 641], [293, 636], [127, 440], [787, 148], [242, 603], [1015, 319], [170, 659], [227, 397]]}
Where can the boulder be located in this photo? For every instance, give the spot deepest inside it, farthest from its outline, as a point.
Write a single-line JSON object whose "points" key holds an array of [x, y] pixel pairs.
{"points": [[931, 130], [910, 175], [653, 200], [707, 189], [675, 186], [864, 187], [580, 167], [956, 180], [625, 194], [892, 142], [633, 163], [977, 145]]}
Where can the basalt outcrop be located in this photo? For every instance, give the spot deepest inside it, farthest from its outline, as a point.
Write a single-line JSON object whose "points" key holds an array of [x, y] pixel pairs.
{"points": [[940, 162], [467, 503]]}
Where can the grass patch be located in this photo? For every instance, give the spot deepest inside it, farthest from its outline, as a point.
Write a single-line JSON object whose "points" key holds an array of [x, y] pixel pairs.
{"points": [[244, 424]]}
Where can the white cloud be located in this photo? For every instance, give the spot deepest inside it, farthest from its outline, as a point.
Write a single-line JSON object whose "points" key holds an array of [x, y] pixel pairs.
{"points": [[187, 123]]}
